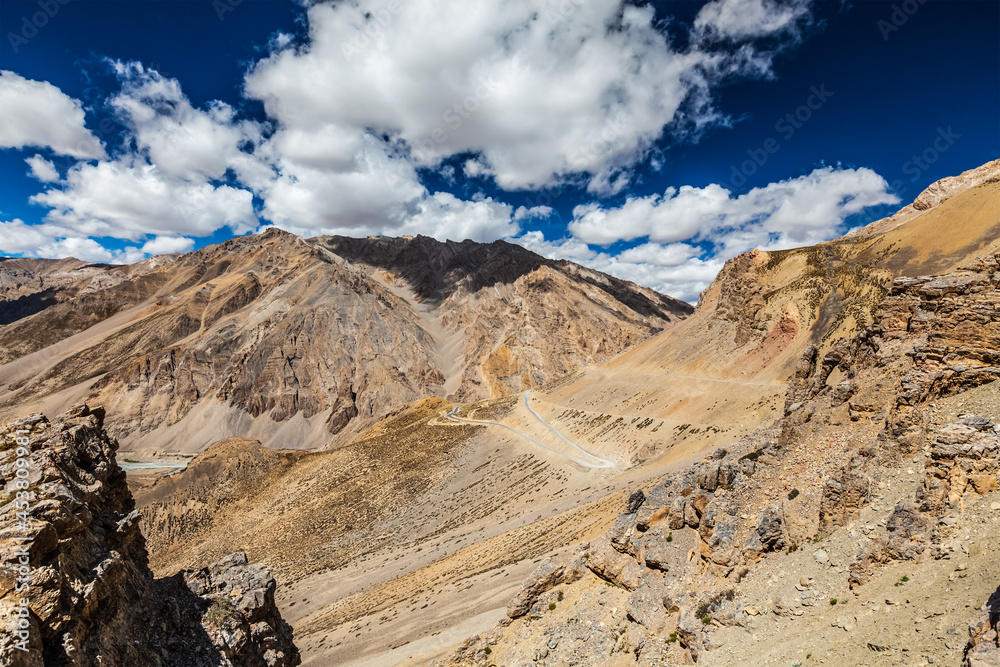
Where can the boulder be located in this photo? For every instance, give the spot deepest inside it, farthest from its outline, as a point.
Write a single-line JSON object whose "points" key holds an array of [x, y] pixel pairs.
{"points": [[610, 565], [546, 576]]}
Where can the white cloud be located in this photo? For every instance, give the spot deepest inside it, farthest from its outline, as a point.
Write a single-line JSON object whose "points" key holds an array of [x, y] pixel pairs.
{"points": [[361, 189], [797, 211], [441, 216], [37, 114], [183, 142], [42, 169], [674, 269], [524, 213], [129, 198], [747, 19], [676, 215], [51, 241], [540, 92], [163, 245], [172, 186], [444, 216]]}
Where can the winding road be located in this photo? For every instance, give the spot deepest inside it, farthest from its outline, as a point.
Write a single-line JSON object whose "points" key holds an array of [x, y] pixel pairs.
{"points": [[601, 463]]}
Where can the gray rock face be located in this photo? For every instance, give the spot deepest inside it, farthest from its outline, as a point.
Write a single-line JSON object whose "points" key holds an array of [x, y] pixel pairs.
{"points": [[983, 649], [646, 605], [635, 499], [546, 576], [256, 634], [769, 534], [607, 563], [621, 533], [93, 599]]}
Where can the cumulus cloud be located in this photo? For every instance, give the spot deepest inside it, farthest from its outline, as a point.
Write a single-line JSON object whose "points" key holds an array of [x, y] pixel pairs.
{"points": [[676, 269], [42, 169], [535, 212], [542, 93], [163, 245], [172, 185], [51, 241], [797, 211], [184, 142], [37, 114], [130, 199]]}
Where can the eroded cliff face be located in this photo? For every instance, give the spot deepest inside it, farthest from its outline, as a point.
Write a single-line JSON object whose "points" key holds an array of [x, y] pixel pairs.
{"points": [[867, 459], [74, 573], [311, 339]]}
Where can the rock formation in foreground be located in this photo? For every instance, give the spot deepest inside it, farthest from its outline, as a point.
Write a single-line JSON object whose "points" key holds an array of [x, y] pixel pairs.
{"points": [[74, 576]]}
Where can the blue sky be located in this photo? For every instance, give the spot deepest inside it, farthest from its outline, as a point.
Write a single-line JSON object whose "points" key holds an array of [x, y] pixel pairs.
{"points": [[652, 141]]}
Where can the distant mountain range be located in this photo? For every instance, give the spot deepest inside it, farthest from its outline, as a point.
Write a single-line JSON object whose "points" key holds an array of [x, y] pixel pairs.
{"points": [[293, 341]]}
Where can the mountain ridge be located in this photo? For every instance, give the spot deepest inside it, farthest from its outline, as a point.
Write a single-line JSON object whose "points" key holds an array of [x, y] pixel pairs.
{"points": [[281, 339]]}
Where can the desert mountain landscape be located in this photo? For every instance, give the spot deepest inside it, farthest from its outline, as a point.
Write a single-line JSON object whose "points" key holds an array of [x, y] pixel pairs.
{"points": [[303, 343], [464, 453]]}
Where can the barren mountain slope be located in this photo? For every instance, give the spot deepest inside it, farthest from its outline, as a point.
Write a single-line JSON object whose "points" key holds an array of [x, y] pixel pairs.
{"points": [[859, 530], [436, 563], [276, 338], [526, 319], [721, 372]]}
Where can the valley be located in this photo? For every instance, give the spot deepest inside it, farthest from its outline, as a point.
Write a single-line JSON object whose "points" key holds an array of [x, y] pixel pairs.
{"points": [[407, 535]]}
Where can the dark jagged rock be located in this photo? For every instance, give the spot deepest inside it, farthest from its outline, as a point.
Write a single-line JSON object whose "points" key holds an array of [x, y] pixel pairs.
{"points": [[983, 649], [92, 597]]}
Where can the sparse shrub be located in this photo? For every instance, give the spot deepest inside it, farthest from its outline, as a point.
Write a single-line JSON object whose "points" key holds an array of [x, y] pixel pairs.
{"points": [[560, 597], [220, 611], [552, 606], [706, 620], [808, 655], [672, 638], [793, 494], [833, 601], [487, 650], [793, 547], [670, 537]]}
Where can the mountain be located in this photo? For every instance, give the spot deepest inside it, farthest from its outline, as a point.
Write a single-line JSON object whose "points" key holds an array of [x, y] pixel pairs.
{"points": [[796, 422], [304, 343], [804, 468]]}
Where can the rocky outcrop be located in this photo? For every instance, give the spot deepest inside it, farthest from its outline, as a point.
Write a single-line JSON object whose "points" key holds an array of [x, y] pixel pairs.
{"points": [[546, 576], [74, 568], [963, 461], [983, 649]]}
